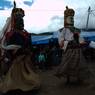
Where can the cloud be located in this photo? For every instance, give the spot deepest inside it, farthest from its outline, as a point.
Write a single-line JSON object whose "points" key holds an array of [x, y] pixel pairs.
{"points": [[5, 4], [40, 14], [81, 18], [48, 15], [56, 23], [29, 3], [56, 9], [3, 17]]}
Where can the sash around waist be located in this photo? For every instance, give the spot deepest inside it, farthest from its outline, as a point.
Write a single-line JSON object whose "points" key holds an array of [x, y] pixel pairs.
{"points": [[73, 45]]}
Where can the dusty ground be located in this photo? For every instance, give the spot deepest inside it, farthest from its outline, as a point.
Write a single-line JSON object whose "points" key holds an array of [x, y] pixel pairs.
{"points": [[51, 85]]}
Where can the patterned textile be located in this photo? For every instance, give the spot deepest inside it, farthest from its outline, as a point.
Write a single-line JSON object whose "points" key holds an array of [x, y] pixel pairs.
{"points": [[20, 76], [73, 63]]}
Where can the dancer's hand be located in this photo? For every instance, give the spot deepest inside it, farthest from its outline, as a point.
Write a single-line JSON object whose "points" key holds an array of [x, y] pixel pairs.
{"points": [[61, 44]]}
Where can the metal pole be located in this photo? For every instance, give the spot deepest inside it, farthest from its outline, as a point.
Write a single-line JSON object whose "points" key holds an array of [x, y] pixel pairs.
{"points": [[89, 10]]}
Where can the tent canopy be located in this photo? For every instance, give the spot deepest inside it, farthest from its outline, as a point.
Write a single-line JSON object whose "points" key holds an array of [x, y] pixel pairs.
{"points": [[46, 39]]}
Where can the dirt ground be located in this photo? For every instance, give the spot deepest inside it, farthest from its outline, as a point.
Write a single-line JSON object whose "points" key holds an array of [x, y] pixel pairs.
{"points": [[51, 85]]}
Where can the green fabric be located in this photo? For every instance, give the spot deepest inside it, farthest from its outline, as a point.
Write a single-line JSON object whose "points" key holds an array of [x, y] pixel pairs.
{"points": [[41, 58], [74, 29]]}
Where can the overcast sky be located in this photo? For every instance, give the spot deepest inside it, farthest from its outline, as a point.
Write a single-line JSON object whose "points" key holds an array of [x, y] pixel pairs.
{"points": [[47, 15]]}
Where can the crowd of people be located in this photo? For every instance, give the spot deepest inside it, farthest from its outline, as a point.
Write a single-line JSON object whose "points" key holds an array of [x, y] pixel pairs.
{"points": [[46, 56]]}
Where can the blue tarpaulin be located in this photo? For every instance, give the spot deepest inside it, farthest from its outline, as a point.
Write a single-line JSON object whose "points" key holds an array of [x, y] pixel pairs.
{"points": [[45, 39], [88, 36], [41, 39]]}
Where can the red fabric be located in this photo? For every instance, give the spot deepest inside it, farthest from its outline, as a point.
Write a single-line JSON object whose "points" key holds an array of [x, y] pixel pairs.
{"points": [[8, 35], [25, 34]]}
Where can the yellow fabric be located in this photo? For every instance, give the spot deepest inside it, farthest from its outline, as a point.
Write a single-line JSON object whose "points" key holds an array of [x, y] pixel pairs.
{"points": [[20, 76]]}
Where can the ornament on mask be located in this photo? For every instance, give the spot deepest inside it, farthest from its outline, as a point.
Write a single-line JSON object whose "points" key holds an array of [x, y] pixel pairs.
{"points": [[69, 17], [17, 18]]}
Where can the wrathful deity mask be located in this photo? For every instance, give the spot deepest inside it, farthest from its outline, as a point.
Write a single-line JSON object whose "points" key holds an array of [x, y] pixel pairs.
{"points": [[17, 18], [70, 21], [69, 17]]}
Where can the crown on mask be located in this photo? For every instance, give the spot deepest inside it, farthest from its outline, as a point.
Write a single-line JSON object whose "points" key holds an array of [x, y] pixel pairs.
{"points": [[69, 12], [17, 11], [17, 18]]}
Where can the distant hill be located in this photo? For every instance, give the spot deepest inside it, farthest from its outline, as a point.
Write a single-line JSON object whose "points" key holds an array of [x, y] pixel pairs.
{"points": [[88, 29], [46, 33]]}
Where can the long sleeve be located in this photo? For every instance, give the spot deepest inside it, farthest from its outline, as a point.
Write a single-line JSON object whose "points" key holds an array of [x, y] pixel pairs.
{"points": [[64, 37], [60, 37]]}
